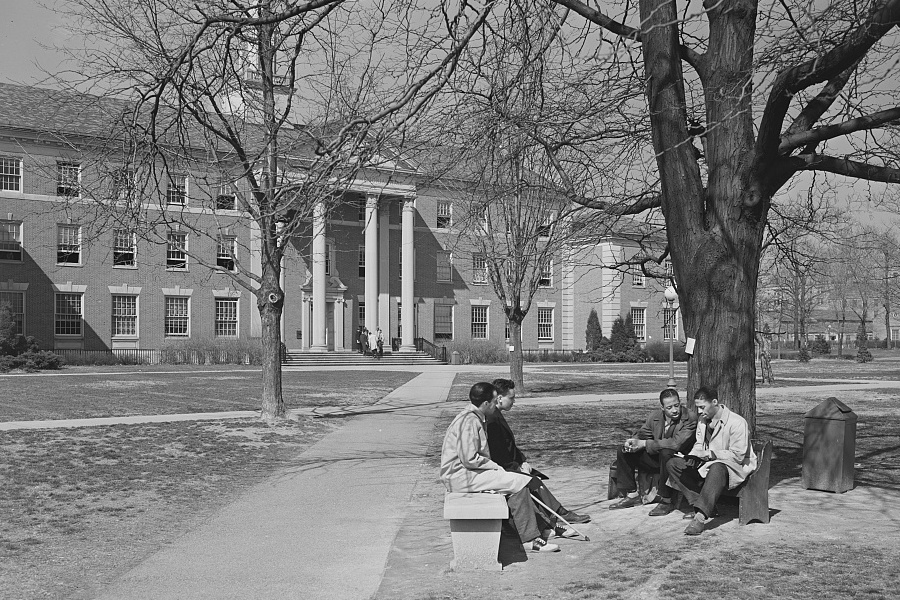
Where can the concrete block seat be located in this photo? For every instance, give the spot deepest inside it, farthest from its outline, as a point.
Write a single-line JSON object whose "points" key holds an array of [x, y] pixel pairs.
{"points": [[475, 522]]}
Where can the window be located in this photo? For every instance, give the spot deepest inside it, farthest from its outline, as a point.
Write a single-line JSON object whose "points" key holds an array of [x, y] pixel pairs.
{"points": [[895, 331], [68, 178], [176, 191], [506, 330], [362, 261], [546, 279], [11, 240], [361, 313], [124, 315], [328, 259], [67, 319], [546, 227], [226, 249], [670, 272], [399, 320], [16, 303], [545, 324], [225, 199], [443, 322], [479, 322], [444, 266], [639, 320], [361, 210], [124, 248], [177, 317], [670, 324], [176, 250], [123, 183], [68, 244], [479, 269], [444, 215], [226, 317], [637, 279], [400, 269], [11, 174]]}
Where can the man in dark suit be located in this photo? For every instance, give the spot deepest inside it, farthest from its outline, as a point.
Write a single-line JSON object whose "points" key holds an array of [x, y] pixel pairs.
{"points": [[505, 452], [668, 430]]}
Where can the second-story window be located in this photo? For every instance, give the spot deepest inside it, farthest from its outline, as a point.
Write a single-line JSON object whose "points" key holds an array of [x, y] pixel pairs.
{"points": [[124, 248], [68, 178], [546, 279], [176, 190], [176, 250], [479, 269], [225, 199], [10, 174], [225, 252], [444, 266], [637, 279], [11, 240], [444, 215], [68, 244]]}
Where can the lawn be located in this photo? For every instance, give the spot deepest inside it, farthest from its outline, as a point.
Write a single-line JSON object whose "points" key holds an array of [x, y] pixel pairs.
{"points": [[80, 506], [821, 546], [80, 393]]}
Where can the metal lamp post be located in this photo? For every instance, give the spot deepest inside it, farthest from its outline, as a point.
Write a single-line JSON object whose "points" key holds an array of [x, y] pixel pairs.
{"points": [[671, 295]]}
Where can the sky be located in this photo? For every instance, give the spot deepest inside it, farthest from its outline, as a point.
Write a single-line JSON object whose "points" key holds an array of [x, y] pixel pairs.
{"points": [[29, 31]]}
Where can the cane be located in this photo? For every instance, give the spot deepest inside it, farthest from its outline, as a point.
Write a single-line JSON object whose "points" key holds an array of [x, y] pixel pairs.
{"points": [[586, 538]]}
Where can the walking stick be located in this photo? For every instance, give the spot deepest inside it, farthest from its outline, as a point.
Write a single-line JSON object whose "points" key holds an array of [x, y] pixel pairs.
{"points": [[555, 514]]}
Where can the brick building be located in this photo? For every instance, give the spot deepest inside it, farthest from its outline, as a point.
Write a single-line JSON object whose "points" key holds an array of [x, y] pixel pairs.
{"points": [[74, 281]]}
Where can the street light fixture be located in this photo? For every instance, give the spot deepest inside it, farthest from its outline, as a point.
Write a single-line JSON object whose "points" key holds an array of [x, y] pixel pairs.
{"points": [[671, 296]]}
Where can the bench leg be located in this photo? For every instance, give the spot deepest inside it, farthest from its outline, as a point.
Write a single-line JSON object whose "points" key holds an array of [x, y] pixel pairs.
{"points": [[476, 544], [612, 489], [754, 505]]}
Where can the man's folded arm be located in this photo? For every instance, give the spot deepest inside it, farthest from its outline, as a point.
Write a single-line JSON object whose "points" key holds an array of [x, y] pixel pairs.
{"points": [[468, 448]]}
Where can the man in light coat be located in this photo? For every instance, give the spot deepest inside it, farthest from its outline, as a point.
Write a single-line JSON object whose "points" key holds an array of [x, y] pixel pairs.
{"points": [[722, 458], [466, 466]]}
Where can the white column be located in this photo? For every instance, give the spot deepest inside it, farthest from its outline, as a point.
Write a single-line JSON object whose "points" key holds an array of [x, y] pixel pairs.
{"points": [[318, 283], [384, 270], [371, 230], [304, 322], [408, 270], [339, 325]]}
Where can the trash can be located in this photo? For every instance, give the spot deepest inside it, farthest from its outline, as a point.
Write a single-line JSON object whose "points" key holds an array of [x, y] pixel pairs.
{"points": [[454, 358], [829, 447]]}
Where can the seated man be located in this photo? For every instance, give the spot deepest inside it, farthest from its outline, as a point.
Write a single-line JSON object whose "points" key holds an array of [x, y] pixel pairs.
{"points": [[667, 430], [722, 458], [466, 466], [504, 452]]}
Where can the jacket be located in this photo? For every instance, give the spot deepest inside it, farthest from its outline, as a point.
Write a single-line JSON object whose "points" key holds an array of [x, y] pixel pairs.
{"points": [[465, 449], [729, 445], [682, 438], [502, 444]]}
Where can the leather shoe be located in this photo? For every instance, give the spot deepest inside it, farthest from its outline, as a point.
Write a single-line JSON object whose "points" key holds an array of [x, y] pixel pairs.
{"points": [[626, 502], [695, 527], [574, 517], [662, 509]]}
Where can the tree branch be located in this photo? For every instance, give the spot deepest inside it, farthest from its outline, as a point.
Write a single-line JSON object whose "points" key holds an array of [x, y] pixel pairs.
{"points": [[845, 166], [884, 16], [597, 17], [820, 134], [816, 107]]}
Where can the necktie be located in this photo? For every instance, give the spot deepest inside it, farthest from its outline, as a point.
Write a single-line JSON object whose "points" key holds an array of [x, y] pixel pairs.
{"points": [[669, 430]]}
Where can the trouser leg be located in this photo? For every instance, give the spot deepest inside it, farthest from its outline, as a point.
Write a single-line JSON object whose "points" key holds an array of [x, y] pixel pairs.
{"points": [[714, 484], [627, 463], [522, 514], [664, 457], [543, 494], [684, 478]]}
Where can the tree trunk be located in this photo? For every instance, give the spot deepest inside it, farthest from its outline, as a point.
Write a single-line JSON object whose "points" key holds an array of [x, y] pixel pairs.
{"points": [[516, 360], [270, 302]]}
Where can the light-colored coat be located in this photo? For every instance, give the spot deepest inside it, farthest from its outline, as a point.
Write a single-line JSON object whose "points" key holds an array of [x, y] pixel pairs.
{"points": [[466, 464], [729, 445]]}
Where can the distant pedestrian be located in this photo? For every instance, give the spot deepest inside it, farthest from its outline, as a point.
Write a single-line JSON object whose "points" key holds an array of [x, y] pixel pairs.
{"points": [[373, 344], [363, 341], [379, 340]]}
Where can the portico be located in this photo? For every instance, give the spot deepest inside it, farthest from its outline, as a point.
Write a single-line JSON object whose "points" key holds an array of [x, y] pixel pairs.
{"points": [[324, 297]]}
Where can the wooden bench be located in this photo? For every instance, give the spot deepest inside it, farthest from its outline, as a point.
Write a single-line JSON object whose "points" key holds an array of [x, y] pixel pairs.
{"points": [[475, 521], [752, 494]]}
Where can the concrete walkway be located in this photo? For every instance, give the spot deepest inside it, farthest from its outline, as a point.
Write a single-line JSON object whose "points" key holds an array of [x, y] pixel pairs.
{"points": [[320, 530]]}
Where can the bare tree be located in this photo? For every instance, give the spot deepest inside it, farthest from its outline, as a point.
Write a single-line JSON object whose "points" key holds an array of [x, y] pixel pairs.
{"points": [[276, 102], [772, 91]]}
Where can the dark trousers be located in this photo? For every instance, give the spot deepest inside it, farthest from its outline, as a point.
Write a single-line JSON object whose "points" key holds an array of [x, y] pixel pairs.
{"points": [[629, 462], [701, 493], [524, 515], [539, 490]]}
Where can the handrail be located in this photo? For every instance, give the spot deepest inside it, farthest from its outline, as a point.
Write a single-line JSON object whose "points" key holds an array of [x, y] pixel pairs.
{"points": [[431, 349]]}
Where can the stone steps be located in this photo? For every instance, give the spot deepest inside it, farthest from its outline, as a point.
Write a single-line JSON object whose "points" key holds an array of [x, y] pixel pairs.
{"points": [[354, 359]]}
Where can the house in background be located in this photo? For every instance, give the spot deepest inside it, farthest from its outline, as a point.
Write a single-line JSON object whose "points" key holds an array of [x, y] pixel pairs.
{"points": [[74, 281]]}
